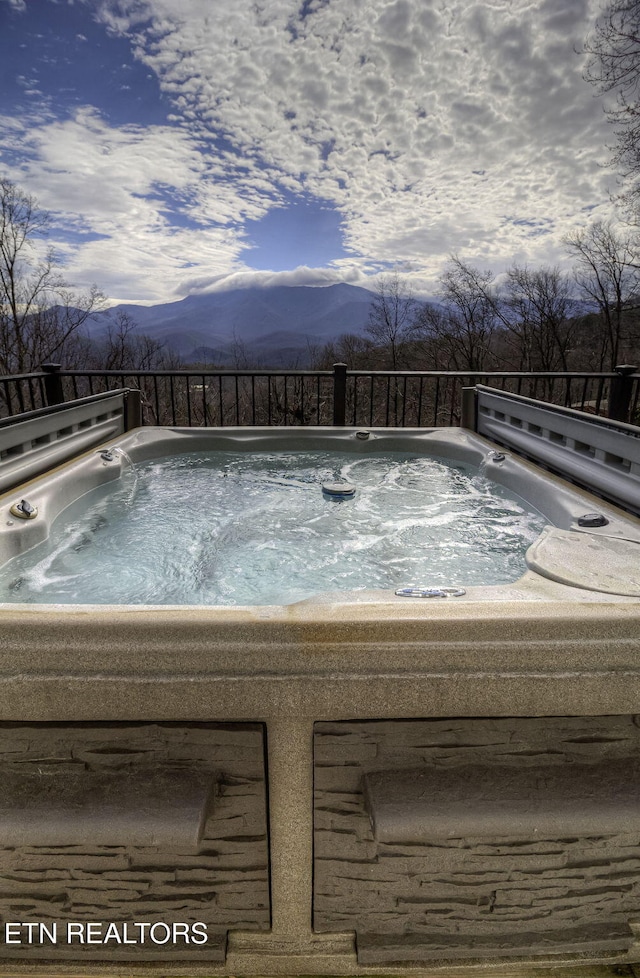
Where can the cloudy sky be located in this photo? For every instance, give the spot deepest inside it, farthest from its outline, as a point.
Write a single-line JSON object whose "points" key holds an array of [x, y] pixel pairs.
{"points": [[190, 145]]}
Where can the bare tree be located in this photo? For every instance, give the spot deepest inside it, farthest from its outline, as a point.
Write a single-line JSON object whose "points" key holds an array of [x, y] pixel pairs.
{"points": [[392, 315], [613, 67], [39, 312], [608, 276], [540, 327], [123, 347], [359, 352], [392, 322], [461, 327]]}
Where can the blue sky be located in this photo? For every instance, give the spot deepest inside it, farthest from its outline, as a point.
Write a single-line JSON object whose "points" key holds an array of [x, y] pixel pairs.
{"points": [[193, 145]]}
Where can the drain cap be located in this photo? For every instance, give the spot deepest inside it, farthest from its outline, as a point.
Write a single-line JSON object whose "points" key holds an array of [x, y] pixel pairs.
{"points": [[345, 489]]}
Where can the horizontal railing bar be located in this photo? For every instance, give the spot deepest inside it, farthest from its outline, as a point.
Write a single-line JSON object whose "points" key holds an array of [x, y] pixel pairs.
{"points": [[191, 373], [542, 374], [37, 375], [515, 374], [550, 375]]}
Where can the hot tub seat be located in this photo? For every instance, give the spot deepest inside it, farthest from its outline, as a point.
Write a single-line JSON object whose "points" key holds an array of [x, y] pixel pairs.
{"points": [[594, 562]]}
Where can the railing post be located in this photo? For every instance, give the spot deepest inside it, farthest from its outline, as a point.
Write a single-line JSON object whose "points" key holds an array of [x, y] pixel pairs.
{"points": [[469, 409], [132, 409], [53, 383], [620, 392], [339, 394]]}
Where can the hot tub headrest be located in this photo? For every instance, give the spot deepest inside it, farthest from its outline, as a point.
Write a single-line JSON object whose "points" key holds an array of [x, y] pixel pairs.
{"points": [[542, 801], [67, 804]]}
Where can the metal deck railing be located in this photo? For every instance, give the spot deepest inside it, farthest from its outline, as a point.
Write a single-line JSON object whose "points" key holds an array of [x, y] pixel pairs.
{"points": [[317, 397], [601, 454]]}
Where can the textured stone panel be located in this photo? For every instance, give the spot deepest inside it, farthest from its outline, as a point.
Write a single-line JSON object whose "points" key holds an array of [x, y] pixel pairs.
{"points": [[458, 897], [217, 878]]}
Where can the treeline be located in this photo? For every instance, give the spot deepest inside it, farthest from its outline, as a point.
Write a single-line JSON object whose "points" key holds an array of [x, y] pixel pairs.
{"points": [[528, 319], [42, 317]]}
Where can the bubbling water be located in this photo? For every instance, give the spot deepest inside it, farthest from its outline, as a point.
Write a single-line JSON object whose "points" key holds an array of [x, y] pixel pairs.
{"points": [[255, 528]]}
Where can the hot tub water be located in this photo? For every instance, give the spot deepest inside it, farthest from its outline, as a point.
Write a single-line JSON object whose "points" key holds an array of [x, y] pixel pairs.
{"points": [[237, 528]]}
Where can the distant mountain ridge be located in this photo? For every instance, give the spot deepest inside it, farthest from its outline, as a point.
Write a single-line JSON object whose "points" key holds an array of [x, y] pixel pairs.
{"points": [[274, 325]]}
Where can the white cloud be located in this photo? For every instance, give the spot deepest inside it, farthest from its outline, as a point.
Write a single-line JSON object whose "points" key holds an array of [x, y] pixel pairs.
{"points": [[493, 85], [433, 128], [303, 275], [111, 182]]}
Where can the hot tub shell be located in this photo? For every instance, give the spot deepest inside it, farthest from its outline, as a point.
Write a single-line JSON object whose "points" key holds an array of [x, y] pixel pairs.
{"points": [[375, 669]]}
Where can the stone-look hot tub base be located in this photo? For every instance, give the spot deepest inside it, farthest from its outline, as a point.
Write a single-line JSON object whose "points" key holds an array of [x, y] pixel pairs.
{"points": [[352, 699], [376, 906]]}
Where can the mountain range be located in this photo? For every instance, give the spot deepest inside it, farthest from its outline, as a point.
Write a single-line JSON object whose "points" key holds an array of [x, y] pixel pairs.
{"points": [[276, 326]]}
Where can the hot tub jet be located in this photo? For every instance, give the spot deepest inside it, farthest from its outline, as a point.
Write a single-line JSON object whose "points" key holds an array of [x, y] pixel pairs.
{"points": [[24, 510]]}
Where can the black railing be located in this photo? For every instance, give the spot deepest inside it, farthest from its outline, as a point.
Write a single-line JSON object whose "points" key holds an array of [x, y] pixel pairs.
{"points": [[371, 398]]}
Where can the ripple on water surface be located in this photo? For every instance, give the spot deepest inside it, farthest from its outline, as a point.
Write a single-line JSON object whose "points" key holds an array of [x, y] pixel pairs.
{"points": [[256, 528]]}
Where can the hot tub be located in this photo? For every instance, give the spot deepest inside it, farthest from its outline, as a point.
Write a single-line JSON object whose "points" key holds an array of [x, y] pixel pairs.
{"points": [[237, 493], [356, 781]]}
